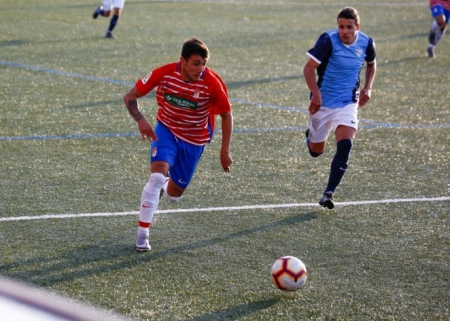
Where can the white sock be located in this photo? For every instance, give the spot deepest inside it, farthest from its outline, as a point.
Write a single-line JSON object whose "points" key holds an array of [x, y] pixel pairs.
{"points": [[434, 26], [150, 197], [439, 34]]}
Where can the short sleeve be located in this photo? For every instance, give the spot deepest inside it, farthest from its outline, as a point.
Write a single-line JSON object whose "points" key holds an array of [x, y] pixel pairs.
{"points": [[371, 51], [322, 49], [220, 102], [147, 83]]}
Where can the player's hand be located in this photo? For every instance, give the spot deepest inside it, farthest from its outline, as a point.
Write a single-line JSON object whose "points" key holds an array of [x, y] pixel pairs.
{"points": [[315, 104], [226, 161], [364, 97], [146, 130]]}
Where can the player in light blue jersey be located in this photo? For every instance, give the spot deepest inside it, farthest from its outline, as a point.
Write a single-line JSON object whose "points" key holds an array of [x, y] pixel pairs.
{"points": [[338, 57], [440, 10], [105, 11]]}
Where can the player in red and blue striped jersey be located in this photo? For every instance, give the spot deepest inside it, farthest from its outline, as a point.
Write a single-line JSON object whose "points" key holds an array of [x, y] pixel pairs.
{"points": [[338, 57], [440, 10], [188, 94]]}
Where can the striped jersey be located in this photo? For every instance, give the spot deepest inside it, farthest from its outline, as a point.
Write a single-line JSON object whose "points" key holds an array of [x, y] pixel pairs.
{"points": [[187, 108], [444, 3], [340, 66]]}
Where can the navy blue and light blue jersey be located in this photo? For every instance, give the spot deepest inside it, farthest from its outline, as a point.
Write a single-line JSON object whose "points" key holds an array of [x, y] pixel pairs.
{"points": [[340, 67]]}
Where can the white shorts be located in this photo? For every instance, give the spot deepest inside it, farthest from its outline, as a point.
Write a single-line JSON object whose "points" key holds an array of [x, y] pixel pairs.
{"points": [[327, 119], [110, 4]]}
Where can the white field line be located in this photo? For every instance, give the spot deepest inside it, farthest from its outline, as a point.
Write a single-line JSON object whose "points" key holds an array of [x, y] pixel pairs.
{"points": [[228, 208]]}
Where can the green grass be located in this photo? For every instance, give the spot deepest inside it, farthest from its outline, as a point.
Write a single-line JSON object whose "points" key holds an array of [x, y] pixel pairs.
{"points": [[60, 80]]}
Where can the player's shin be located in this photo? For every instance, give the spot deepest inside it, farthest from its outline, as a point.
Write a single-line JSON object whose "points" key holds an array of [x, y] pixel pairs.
{"points": [[339, 164], [113, 22], [438, 36], [150, 199]]}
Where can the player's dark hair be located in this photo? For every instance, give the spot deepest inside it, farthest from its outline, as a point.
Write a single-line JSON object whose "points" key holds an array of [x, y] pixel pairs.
{"points": [[194, 46], [349, 13]]}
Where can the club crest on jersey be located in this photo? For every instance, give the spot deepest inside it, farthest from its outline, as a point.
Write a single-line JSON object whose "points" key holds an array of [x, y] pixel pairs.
{"points": [[146, 78], [196, 94], [180, 102], [154, 151], [359, 52]]}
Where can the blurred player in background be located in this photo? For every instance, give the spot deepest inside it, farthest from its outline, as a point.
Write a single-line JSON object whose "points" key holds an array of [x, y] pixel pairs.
{"points": [[338, 57], [440, 10], [105, 11], [188, 94]]}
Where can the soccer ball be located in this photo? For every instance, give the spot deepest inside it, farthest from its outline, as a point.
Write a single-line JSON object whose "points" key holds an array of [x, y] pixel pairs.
{"points": [[289, 273]]}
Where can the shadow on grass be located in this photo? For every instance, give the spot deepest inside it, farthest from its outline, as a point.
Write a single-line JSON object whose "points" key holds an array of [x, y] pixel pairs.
{"points": [[288, 221], [408, 59], [239, 84], [236, 312], [95, 104], [103, 103], [14, 42], [70, 263], [24, 42], [129, 3]]}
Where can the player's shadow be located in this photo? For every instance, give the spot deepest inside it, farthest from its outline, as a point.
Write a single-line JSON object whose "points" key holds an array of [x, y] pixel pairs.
{"points": [[24, 42], [89, 104], [403, 60], [193, 246], [78, 262], [238, 84], [14, 42], [236, 312]]}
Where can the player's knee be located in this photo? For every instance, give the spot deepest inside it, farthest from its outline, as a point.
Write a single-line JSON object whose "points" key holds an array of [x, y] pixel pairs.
{"points": [[316, 149], [155, 183], [345, 145]]}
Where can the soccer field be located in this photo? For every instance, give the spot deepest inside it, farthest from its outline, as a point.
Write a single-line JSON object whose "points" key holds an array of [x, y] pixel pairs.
{"points": [[73, 165]]}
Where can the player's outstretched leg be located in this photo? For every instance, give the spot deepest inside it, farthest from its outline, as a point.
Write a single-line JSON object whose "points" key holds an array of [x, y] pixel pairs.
{"points": [[338, 168], [436, 33], [97, 12], [149, 204], [313, 154], [112, 25]]}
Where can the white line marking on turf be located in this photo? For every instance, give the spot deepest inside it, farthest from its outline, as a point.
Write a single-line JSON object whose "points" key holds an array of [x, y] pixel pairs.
{"points": [[228, 208]]}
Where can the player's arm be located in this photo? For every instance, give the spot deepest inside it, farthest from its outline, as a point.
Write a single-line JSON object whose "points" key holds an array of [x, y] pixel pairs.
{"points": [[309, 71], [131, 101], [371, 70], [221, 102], [227, 130]]}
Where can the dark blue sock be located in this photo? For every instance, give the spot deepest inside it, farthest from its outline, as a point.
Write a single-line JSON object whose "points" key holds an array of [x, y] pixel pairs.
{"points": [[313, 154], [113, 22], [339, 164]]}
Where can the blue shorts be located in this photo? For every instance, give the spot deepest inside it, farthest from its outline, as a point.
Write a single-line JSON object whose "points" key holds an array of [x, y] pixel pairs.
{"points": [[182, 157], [439, 10]]}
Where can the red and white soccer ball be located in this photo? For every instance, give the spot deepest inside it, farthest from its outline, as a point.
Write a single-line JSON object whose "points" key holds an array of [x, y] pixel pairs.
{"points": [[289, 273]]}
